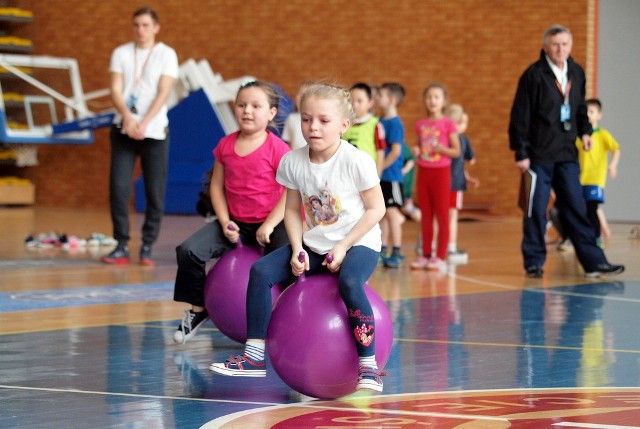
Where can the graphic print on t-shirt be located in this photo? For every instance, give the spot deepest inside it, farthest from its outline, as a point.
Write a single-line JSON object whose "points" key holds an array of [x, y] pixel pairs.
{"points": [[323, 208], [428, 139]]}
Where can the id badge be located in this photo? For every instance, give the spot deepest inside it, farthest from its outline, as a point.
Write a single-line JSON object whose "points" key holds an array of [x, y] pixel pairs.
{"points": [[565, 113], [131, 103]]}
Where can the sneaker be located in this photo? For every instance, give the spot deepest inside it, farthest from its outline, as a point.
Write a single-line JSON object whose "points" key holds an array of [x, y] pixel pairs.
{"points": [[393, 261], [30, 241], [564, 246], [48, 241], [420, 263], [74, 242], [436, 264], [370, 379], [534, 272], [119, 256], [381, 260], [240, 366], [190, 324], [96, 240], [457, 257], [603, 270], [145, 255]]}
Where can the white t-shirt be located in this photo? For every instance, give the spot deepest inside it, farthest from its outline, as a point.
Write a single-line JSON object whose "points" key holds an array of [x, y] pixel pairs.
{"points": [[331, 194], [292, 132], [150, 65]]}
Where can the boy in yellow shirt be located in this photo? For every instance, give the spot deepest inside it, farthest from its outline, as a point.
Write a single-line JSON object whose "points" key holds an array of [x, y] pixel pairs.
{"points": [[594, 164]]}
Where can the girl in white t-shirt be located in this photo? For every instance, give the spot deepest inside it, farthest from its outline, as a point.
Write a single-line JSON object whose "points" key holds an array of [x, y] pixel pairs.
{"points": [[338, 187]]}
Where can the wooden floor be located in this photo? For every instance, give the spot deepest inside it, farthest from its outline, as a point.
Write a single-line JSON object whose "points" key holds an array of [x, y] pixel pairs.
{"points": [[84, 345]]}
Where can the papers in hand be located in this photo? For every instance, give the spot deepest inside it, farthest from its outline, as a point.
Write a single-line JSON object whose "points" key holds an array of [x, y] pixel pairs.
{"points": [[527, 190]]}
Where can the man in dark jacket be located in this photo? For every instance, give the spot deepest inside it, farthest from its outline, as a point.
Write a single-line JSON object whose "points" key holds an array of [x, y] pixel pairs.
{"points": [[547, 115]]}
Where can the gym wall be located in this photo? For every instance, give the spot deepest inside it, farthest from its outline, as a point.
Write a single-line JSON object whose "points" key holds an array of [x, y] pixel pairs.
{"points": [[477, 48]]}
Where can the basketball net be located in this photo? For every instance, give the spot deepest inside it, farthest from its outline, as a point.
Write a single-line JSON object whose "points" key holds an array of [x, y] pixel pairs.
{"points": [[26, 155]]}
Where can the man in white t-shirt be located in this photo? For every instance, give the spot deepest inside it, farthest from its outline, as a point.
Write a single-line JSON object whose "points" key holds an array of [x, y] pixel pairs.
{"points": [[143, 73]]}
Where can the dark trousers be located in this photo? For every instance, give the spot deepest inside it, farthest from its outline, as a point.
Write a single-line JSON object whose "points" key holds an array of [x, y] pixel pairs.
{"points": [[275, 268], [208, 243], [154, 162], [563, 177], [592, 214]]}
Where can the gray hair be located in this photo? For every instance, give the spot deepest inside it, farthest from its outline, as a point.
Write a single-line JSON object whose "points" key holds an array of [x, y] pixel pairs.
{"points": [[553, 30]]}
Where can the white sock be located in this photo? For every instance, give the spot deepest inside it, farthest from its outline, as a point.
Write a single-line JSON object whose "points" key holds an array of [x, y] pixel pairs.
{"points": [[254, 350], [369, 361], [452, 247]]}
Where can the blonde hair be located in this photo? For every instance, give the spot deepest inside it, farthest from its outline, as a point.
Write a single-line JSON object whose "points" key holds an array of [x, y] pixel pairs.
{"points": [[455, 112], [331, 92]]}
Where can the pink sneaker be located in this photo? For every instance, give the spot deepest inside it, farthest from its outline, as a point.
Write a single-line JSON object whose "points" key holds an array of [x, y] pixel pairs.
{"points": [[420, 263], [436, 264]]}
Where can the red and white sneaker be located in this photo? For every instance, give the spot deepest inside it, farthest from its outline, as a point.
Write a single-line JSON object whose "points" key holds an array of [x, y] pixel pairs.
{"points": [[370, 379], [240, 366]]}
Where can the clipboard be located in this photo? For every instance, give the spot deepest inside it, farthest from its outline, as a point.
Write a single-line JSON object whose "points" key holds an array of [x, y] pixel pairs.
{"points": [[527, 190]]}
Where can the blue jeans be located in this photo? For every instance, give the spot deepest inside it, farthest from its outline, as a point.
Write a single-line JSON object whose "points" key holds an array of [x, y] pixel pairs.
{"points": [[274, 268], [564, 178]]}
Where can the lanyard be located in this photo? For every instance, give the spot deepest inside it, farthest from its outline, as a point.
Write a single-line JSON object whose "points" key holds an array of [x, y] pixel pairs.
{"points": [[138, 77], [565, 93]]}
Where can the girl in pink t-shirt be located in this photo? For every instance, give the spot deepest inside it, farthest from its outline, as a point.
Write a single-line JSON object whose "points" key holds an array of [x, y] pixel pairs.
{"points": [[438, 142], [247, 200]]}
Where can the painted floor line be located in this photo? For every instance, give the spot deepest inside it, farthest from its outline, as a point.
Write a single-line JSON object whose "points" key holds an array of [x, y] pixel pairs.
{"points": [[550, 290], [593, 426], [266, 404]]}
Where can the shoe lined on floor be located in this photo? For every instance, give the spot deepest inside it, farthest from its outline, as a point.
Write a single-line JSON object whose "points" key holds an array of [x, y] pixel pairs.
{"points": [[240, 366], [48, 241], [190, 324], [370, 379], [119, 256], [604, 270], [73, 242], [145, 255], [97, 239], [420, 263], [534, 272], [436, 264]]}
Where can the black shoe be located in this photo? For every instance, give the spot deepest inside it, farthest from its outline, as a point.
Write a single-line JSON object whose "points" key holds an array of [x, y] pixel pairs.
{"points": [[119, 256], [604, 270], [189, 325], [534, 272], [145, 255]]}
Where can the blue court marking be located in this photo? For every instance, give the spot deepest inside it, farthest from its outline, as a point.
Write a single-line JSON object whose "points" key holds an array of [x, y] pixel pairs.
{"points": [[74, 297]]}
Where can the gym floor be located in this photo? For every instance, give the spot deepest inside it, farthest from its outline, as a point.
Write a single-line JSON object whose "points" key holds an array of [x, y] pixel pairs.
{"points": [[84, 345]]}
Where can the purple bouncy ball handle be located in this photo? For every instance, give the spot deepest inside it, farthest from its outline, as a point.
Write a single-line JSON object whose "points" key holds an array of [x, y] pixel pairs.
{"points": [[301, 258], [329, 257], [232, 228]]}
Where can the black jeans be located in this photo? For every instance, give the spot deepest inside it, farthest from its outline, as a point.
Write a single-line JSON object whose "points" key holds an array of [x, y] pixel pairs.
{"points": [[154, 159], [207, 243]]}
